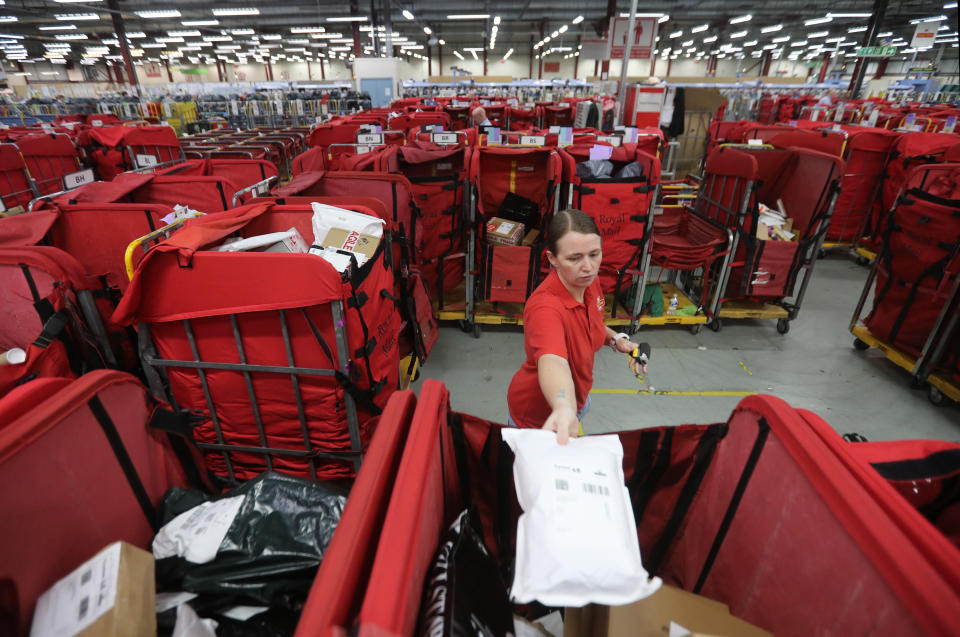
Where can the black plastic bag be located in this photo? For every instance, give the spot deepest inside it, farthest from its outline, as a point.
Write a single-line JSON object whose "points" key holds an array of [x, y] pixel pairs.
{"points": [[464, 595], [520, 209], [273, 547], [633, 169], [595, 168]]}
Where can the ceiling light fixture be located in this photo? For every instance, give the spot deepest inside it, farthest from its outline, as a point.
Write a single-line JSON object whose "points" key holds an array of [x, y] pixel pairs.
{"points": [[235, 11], [702, 27], [712, 38], [660, 20], [468, 16], [349, 18], [200, 23], [740, 19], [813, 21], [158, 14], [771, 29], [739, 34], [58, 27], [818, 34], [577, 20], [408, 15], [70, 17]]}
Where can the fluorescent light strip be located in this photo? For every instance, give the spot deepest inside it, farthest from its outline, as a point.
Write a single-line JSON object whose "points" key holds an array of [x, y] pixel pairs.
{"points": [[235, 11], [743, 18], [184, 34], [349, 19], [739, 34], [785, 38], [70, 17], [71, 36], [307, 30], [468, 16], [813, 21], [818, 34], [850, 15], [857, 30], [577, 20], [161, 13], [699, 29], [771, 29], [58, 27], [200, 23]]}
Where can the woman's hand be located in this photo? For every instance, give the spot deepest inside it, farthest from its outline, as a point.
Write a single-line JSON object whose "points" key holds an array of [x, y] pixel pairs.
{"points": [[563, 420], [626, 346]]}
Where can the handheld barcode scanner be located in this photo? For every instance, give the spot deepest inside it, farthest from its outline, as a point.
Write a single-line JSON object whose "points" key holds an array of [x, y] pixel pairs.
{"points": [[641, 353]]}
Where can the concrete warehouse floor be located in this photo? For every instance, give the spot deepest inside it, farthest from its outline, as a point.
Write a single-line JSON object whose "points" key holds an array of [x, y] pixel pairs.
{"points": [[814, 367]]}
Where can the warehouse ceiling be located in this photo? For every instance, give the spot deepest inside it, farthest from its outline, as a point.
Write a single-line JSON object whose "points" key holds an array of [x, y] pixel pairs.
{"points": [[254, 31]]}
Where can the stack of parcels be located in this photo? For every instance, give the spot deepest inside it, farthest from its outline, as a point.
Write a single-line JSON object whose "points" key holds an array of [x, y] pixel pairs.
{"points": [[774, 224], [340, 236]]}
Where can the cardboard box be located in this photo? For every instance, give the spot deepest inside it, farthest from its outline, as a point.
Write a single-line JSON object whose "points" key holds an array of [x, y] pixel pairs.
{"points": [[351, 241], [530, 238], [110, 595], [504, 233], [668, 608]]}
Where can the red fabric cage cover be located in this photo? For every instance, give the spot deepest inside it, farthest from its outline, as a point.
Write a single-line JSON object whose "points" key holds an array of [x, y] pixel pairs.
{"points": [[269, 294]]}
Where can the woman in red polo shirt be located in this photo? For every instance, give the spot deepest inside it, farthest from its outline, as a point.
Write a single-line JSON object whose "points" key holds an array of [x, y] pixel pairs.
{"points": [[562, 330]]}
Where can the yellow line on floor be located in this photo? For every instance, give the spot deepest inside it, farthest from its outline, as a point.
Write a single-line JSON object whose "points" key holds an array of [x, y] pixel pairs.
{"points": [[744, 366], [661, 392]]}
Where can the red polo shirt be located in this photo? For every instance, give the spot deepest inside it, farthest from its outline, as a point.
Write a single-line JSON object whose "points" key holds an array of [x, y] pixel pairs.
{"points": [[556, 323]]}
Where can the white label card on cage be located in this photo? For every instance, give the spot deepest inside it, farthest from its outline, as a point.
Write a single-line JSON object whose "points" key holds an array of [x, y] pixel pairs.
{"points": [[838, 114], [362, 150], [96, 123], [77, 179], [145, 109], [279, 105], [630, 133], [234, 107], [324, 109], [145, 160], [564, 105], [815, 115], [837, 128], [874, 115], [554, 129], [369, 138], [754, 142], [443, 138], [254, 108], [299, 107], [533, 140], [613, 140], [167, 111]]}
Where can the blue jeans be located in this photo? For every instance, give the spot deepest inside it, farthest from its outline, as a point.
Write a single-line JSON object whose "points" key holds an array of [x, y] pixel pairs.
{"points": [[580, 414]]}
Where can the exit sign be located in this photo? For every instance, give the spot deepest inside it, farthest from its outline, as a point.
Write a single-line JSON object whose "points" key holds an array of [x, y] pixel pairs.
{"points": [[876, 51]]}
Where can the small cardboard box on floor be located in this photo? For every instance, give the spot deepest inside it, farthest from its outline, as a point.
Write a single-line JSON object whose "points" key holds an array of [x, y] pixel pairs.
{"points": [[110, 595], [667, 613]]}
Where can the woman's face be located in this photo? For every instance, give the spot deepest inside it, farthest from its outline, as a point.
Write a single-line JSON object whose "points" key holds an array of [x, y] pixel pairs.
{"points": [[577, 260]]}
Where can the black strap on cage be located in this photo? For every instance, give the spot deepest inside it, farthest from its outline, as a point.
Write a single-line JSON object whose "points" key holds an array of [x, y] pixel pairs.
{"points": [[123, 459], [457, 435], [702, 459], [763, 431], [52, 329], [43, 306], [319, 338], [653, 460], [180, 434]]}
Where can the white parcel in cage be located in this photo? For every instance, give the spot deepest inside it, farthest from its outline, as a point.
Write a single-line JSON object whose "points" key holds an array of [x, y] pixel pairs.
{"points": [[338, 232], [576, 539]]}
